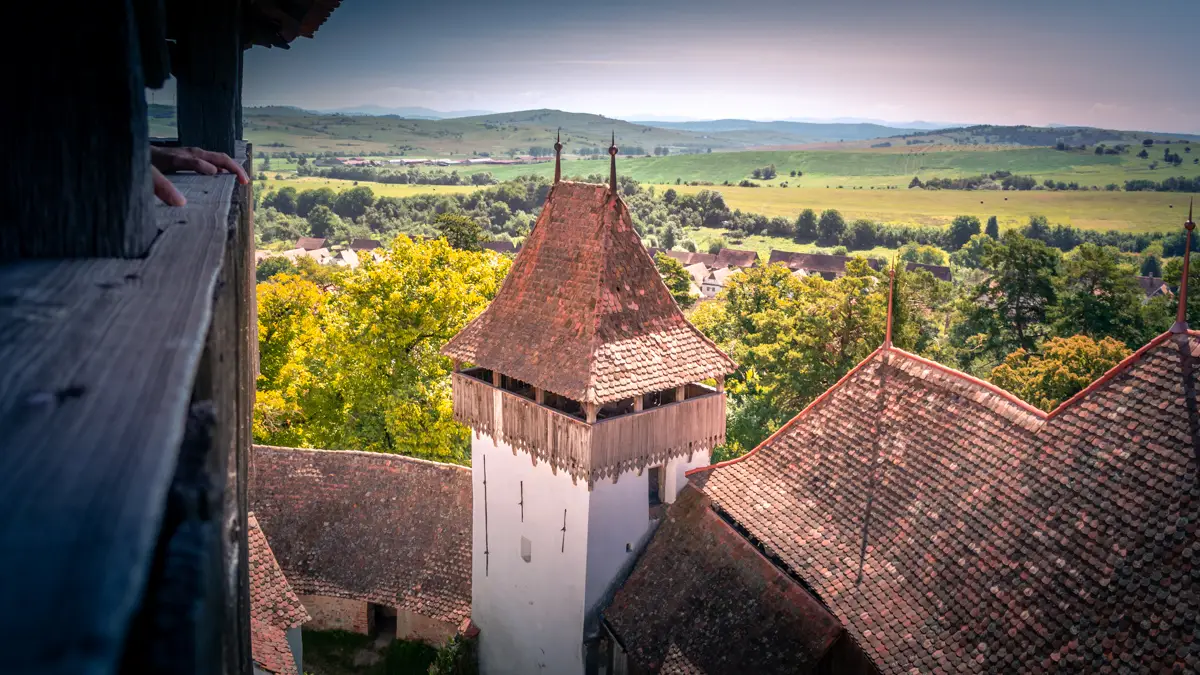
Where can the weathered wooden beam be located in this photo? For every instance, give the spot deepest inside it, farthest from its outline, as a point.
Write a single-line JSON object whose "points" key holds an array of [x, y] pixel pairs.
{"points": [[207, 63], [720, 383], [680, 393], [539, 395], [81, 186], [104, 355], [637, 403]]}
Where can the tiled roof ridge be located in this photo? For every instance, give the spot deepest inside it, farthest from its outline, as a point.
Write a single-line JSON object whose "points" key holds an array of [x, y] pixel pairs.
{"points": [[364, 453], [595, 343], [1025, 407]]}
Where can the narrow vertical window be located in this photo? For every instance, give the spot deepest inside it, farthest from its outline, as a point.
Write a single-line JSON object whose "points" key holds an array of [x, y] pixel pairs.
{"points": [[526, 549], [654, 476]]}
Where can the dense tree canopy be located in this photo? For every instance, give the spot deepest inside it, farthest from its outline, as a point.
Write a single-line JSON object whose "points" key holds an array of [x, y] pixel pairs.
{"points": [[1066, 367], [356, 366]]}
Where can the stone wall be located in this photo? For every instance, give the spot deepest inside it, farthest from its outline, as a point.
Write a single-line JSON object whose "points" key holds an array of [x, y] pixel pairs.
{"points": [[337, 614]]}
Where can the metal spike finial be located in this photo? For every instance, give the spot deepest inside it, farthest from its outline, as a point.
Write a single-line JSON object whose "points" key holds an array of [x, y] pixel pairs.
{"points": [[1181, 325], [612, 168], [887, 339], [558, 156]]}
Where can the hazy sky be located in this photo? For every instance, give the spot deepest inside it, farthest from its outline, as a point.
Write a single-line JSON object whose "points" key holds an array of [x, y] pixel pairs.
{"points": [[1131, 64]]}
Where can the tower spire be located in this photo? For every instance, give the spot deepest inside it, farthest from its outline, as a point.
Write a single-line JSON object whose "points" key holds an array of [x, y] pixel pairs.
{"points": [[612, 167], [1181, 325], [887, 340], [558, 157]]}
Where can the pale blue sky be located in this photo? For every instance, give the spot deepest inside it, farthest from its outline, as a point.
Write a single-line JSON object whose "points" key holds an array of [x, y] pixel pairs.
{"points": [[1124, 64]]}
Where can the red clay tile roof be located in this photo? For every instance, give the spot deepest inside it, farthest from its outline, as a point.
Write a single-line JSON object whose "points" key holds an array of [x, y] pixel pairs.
{"points": [[1153, 286], [365, 244], [269, 648], [992, 537], [732, 257], [367, 526], [701, 599], [310, 243], [271, 598], [687, 257], [810, 262], [584, 313], [938, 271]]}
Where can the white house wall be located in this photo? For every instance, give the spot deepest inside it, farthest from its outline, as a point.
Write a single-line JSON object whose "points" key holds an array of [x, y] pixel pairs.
{"points": [[675, 477], [618, 518], [529, 614]]}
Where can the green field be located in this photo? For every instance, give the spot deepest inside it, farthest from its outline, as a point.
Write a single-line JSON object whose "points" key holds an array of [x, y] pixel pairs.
{"points": [[380, 189], [1125, 211]]}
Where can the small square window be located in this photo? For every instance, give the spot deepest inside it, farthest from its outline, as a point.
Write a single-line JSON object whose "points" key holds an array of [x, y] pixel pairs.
{"points": [[526, 549]]}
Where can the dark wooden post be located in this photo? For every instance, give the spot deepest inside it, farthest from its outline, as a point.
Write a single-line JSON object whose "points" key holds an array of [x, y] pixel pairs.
{"points": [[207, 63], [76, 181]]}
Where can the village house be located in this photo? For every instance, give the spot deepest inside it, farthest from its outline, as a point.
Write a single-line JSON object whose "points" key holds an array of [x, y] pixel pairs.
{"points": [[500, 247], [1153, 287], [714, 282]]}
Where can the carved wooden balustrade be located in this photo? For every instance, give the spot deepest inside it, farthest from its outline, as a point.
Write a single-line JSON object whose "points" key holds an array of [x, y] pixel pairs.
{"points": [[603, 449]]}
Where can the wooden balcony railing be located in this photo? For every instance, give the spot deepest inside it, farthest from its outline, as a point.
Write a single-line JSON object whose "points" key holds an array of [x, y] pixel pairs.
{"points": [[604, 449]]}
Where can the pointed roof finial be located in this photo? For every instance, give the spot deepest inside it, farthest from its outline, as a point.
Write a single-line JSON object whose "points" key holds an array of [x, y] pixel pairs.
{"points": [[558, 157], [612, 169], [1181, 325], [887, 339]]}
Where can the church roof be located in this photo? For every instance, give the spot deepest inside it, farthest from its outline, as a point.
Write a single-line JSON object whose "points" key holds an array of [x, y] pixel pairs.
{"points": [[386, 529], [583, 312], [952, 528], [702, 600]]}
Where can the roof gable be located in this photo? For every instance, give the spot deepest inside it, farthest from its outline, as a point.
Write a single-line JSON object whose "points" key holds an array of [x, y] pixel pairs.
{"points": [[271, 597], [948, 525], [583, 312]]}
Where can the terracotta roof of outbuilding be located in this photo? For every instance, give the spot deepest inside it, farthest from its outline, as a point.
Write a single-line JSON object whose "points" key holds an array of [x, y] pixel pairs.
{"points": [[310, 243], [732, 257], [583, 312], [811, 262], [701, 599], [365, 244], [386, 529], [271, 597], [990, 536], [499, 246], [1153, 286], [938, 271]]}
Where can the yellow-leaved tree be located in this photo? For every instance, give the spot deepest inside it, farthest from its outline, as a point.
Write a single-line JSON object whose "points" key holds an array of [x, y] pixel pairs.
{"points": [[359, 369], [1065, 367]]}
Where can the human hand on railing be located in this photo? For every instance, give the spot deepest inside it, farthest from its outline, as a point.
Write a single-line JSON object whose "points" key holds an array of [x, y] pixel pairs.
{"points": [[169, 160]]}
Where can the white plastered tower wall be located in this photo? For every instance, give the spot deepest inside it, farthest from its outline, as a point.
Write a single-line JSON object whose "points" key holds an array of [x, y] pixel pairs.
{"points": [[531, 613]]}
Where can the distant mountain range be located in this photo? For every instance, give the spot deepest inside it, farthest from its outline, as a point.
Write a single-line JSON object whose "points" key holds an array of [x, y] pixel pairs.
{"points": [[412, 112], [803, 131]]}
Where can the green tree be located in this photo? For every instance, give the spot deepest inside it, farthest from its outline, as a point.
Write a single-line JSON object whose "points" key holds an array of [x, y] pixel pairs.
{"points": [[269, 267], [354, 202], [793, 337], [1008, 310], [830, 227], [806, 226], [462, 232], [283, 200], [323, 221], [922, 253], [1066, 367], [1151, 266], [678, 281], [973, 253], [1099, 297], [307, 200], [366, 374], [960, 232], [993, 228]]}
